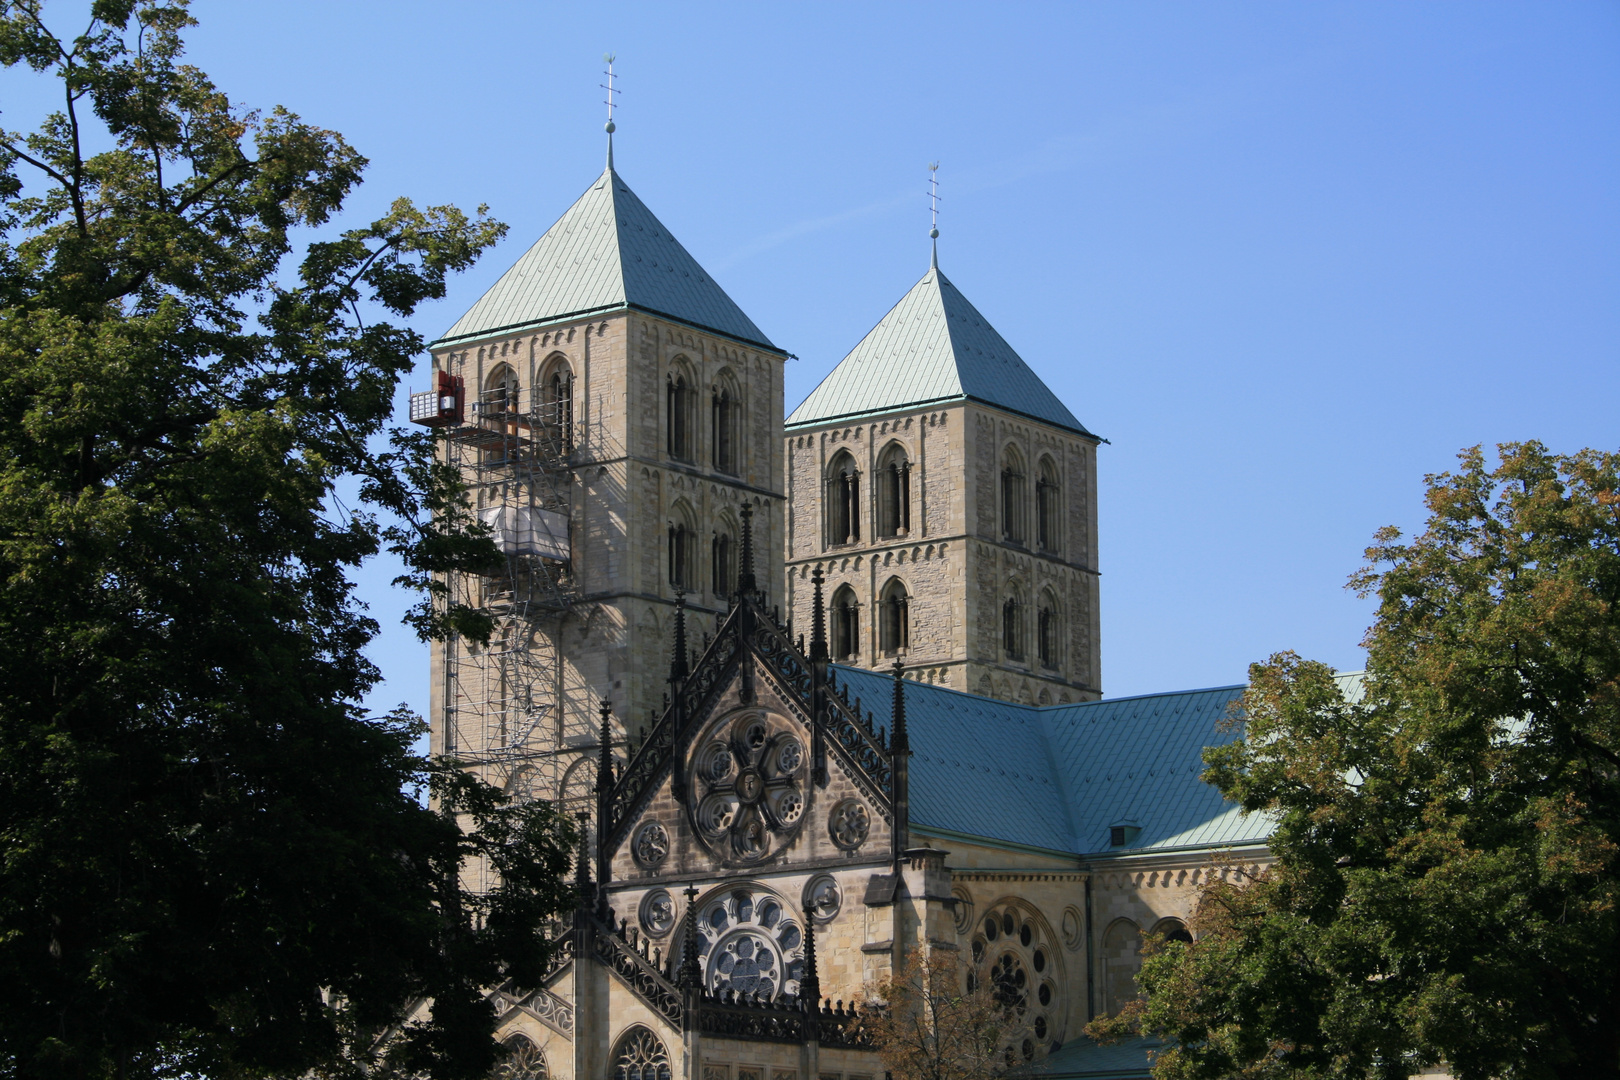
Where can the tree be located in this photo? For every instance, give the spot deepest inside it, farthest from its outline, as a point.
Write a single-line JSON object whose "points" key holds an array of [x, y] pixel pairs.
{"points": [[1444, 885], [214, 861], [931, 1021]]}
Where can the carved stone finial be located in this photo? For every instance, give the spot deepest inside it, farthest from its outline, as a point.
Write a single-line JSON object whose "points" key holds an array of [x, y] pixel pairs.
{"points": [[677, 666], [582, 864], [818, 619], [691, 975], [604, 767], [901, 743], [746, 585], [810, 983]]}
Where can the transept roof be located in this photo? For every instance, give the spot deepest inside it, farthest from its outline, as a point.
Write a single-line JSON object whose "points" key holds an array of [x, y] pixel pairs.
{"points": [[607, 252], [933, 346]]}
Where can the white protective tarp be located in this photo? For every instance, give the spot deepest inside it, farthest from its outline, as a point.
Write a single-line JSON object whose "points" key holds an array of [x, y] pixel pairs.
{"points": [[526, 530]]}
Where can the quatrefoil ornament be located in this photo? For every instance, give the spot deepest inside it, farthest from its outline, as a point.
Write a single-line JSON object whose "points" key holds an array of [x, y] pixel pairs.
{"points": [[749, 772]]}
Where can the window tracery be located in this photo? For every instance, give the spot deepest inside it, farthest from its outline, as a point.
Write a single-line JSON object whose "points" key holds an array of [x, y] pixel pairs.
{"points": [[640, 1055], [750, 771], [846, 628], [1012, 496], [522, 1060], [750, 943], [723, 407], [1015, 956], [680, 401]]}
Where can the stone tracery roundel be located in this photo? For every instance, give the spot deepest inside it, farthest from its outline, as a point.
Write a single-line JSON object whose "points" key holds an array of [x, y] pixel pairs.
{"points": [[750, 943], [1015, 954], [748, 773], [651, 844]]}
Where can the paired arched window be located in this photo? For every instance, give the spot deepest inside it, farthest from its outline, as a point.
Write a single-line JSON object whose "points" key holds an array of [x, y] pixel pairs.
{"points": [[1048, 508], [1048, 631], [682, 554], [846, 624], [894, 493], [894, 619], [724, 418], [1012, 626], [501, 391], [843, 501], [680, 402], [723, 550], [1012, 496]]}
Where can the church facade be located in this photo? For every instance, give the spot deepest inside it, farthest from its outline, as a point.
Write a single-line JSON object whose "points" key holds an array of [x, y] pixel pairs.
{"points": [[824, 688]]}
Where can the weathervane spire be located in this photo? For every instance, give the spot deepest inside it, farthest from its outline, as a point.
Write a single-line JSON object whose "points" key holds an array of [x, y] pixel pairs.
{"points": [[933, 211], [608, 59]]}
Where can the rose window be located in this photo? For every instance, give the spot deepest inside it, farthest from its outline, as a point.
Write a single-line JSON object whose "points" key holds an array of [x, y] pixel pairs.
{"points": [[1015, 958], [750, 944], [749, 774]]}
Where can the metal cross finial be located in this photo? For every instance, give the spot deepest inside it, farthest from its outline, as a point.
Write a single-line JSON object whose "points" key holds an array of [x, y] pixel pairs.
{"points": [[933, 210], [608, 58]]}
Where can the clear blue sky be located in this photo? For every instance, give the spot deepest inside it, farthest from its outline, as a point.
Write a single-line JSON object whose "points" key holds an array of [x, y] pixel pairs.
{"points": [[1287, 258]]}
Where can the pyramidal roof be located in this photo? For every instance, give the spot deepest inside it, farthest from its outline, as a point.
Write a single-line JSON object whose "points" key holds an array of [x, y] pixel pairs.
{"points": [[932, 346], [606, 252]]}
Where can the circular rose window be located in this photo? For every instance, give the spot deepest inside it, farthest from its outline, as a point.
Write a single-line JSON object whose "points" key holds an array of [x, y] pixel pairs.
{"points": [[747, 773], [751, 945], [1015, 957]]}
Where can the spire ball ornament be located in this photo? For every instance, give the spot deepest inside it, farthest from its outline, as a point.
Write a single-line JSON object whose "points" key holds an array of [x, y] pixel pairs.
{"points": [[933, 234], [610, 127]]}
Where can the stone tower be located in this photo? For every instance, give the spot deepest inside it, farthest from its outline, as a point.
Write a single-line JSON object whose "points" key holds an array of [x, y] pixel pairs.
{"points": [[613, 412], [950, 499]]}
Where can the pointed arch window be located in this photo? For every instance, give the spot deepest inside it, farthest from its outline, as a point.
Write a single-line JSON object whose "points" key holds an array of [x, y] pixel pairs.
{"points": [[846, 624], [680, 401], [1012, 497], [843, 502], [640, 1055], [894, 494], [894, 615], [1048, 508], [1012, 627], [723, 557], [725, 430]]}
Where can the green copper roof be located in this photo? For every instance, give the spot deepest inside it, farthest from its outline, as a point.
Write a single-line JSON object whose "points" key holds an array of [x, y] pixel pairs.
{"points": [[607, 252], [933, 346]]}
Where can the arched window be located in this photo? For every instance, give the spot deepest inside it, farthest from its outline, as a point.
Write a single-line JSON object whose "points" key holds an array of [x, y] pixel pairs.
{"points": [[723, 551], [501, 391], [894, 619], [680, 401], [725, 430], [843, 501], [682, 553], [1012, 496], [1048, 637], [1122, 959], [1048, 508], [521, 1060], [846, 624], [560, 406], [1012, 627], [640, 1055], [1173, 930], [894, 493]]}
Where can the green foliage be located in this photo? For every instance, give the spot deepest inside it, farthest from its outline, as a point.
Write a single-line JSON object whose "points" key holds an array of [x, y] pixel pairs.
{"points": [[214, 861], [1445, 887]]}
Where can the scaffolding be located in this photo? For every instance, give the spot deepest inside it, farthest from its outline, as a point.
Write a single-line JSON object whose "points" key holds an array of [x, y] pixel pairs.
{"points": [[503, 703]]}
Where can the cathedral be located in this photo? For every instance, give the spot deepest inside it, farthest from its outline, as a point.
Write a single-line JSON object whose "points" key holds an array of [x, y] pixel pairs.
{"points": [[823, 688]]}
